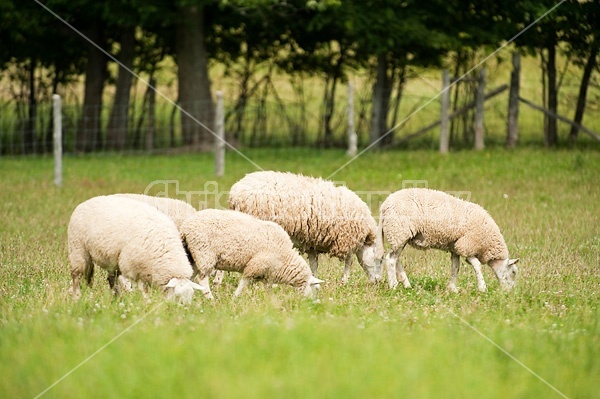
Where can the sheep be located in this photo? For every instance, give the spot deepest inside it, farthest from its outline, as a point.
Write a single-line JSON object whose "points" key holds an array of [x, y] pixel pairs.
{"points": [[319, 216], [133, 238], [260, 250], [177, 210], [426, 218]]}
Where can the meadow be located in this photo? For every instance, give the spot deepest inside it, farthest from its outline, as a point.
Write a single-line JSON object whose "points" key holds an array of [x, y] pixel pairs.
{"points": [[359, 340]]}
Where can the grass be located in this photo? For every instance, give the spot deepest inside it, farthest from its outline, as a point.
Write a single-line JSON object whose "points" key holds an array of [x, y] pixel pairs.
{"points": [[360, 340]]}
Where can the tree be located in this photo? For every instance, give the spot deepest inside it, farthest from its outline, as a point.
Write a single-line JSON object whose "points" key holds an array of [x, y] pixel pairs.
{"points": [[123, 21], [583, 42], [29, 37], [88, 135], [192, 73], [297, 37], [544, 38], [391, 37]]}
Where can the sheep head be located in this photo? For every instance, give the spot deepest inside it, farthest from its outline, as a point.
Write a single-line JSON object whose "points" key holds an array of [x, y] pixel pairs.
{"points": [[312, 287], [506, 271], [369, 262], [182, 289]]}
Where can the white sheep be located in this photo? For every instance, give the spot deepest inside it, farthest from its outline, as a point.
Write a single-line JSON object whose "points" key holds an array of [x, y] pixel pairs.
{"points": [[319, 216], [260, 250], [427, 218], [135, 239], [177, 210]]}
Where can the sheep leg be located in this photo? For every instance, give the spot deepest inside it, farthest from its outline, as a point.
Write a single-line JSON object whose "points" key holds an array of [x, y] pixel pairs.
{"points": [[390, 261], [347, 266], [204, 283], [395, 271], [401, 276], [218, 277], [119, 283], [81, 266], [313, 258], [244, 282], [477, 267], [454, 272], [205, 263], [112, 280], [75, 289]]}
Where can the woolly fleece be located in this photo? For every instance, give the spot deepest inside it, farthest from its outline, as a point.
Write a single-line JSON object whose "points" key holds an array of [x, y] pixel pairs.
{"points": [[233, 241], [426, 218], [317, 215], [112, 232]]}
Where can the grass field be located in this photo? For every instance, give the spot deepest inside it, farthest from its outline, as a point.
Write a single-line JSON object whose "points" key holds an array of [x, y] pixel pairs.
{"points": [[540, 341]]}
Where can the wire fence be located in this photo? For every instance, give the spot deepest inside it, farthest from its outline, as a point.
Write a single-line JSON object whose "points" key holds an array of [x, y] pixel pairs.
{"points": [[140, 128]]}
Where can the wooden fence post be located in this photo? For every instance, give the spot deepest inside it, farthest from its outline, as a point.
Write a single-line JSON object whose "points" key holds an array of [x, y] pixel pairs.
{"points": [[57, 139], [445, 120], [479, 111], [512, 128], [352, 139], [220, 139]]}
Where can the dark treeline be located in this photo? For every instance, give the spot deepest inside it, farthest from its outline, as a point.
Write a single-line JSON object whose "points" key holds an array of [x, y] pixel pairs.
{"points": [[327, 39]]}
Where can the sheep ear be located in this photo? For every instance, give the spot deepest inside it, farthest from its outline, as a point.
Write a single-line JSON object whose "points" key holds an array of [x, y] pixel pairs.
{"points": [[313, 281], [172, 283], [197, 286], [513, 261]]}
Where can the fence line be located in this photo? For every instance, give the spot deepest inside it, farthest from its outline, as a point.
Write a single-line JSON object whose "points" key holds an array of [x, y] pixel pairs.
{"points": [[546, 111], [264, 123]]}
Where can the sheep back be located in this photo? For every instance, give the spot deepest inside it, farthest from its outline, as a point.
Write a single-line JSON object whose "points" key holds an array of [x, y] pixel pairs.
{"points": [[176, 209], [233, 241], [428, 218], [314, 212], [143, 243]]}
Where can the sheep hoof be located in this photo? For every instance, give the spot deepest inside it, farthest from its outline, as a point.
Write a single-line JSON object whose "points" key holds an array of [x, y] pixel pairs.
{"points": [[209, 295]]}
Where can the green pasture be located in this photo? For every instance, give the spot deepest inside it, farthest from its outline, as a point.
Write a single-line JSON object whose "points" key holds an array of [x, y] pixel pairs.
{"points": [[541, 340]]}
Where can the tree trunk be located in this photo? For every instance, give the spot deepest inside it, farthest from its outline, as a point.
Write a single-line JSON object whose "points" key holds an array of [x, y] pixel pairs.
{"points": [[479, 143], [397, 100], [379, 112], [88, 133], [116, 132], [512, 133], [444, 117], [583, 88], [329, 106], [192, 75], [151, 128], [48, 135], [551, 133]]}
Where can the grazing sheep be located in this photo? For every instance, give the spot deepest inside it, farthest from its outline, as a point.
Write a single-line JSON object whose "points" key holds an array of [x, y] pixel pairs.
{"points": [[175, 209], [318, 216], [135, 239], [260, 250], [427, 218]]}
